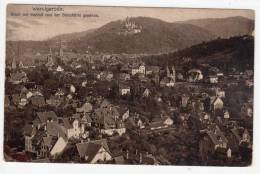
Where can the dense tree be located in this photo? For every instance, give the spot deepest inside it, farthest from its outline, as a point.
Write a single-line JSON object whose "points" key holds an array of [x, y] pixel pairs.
{"points": [[51, 84]]}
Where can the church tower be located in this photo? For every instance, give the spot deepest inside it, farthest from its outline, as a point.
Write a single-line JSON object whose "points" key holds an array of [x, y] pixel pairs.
{"points": [[168, 71], [50, 59], [14, 63], [61, 53], [61, 50], [173, 74]]}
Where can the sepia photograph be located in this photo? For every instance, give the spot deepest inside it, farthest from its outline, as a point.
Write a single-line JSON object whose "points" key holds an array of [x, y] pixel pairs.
{"points": [[129, 85]]}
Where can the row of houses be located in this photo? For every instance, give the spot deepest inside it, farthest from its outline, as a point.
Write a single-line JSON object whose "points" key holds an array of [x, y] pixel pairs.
{"points": [[224, 143]]}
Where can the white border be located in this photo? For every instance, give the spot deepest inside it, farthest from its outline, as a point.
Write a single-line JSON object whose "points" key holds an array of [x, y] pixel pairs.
{"points": [[11, 167]]}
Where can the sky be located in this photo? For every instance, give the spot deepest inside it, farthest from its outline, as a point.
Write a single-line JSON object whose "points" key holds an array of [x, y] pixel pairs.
{"points": [[31, 27]]}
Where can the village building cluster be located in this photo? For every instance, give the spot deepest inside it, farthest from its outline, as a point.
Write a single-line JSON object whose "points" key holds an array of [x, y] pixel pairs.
{"points": [[99, 110]]}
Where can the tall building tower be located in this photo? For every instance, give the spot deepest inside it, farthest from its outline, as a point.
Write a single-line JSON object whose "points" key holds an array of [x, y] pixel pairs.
{"points": [[173, 74], [14, 63], [50, 56], [61, 49], [50, 59], [168, 71]]}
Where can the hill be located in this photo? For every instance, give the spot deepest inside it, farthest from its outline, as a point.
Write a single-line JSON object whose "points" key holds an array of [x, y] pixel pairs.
{"points": [[225, 27], [70, 36], [155, 36], [237, 52]]}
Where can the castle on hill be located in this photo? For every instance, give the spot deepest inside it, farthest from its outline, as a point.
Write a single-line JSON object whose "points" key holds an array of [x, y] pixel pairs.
{"points": [[130, 27]]}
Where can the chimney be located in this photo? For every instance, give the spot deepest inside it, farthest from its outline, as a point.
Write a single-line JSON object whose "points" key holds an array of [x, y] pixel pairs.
{"points": [[141, 158], [229, 153], [127, 154]]}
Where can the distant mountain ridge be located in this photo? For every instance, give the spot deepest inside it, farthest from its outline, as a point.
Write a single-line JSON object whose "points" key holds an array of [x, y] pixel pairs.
{"points": [[70, 36], [156, 36], [225, 27]]}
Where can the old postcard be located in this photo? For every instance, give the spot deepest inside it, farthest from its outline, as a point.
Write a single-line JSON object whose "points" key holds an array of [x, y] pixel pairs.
{"points": [[129, 85]]}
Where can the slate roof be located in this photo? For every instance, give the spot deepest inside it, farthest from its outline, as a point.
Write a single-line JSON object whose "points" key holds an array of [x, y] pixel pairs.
{"points": [[76, 116], [215, 134], [38, 100], [45, 116], [65, 122], [90, 149], [54, 100], [154, 69], [7, 101], [105, 116], [49, 141], [125, 67], [238, 132], [124, 76], [38, 138], [119, 159], [86, 107], [17, 76], [102, 142], [16, 99], [105, 103], [123, 86], [54, 129], [122, 109], [86, 118], [68, 121], [165, 80], [41, 160], [213, 100], [148, 160], [156, 124], [29, 130]]}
